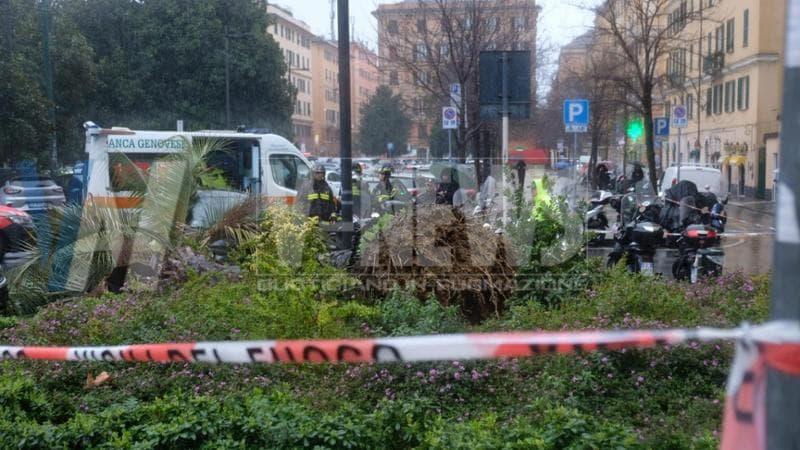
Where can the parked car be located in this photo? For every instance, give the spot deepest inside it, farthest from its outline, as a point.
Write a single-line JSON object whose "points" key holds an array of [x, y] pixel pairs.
{"points": [[31, 193], [16, 230], [334, 180], [705, 178]]}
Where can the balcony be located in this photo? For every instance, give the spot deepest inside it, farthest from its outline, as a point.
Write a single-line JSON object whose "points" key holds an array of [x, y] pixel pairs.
{"points": [[713, 63]]}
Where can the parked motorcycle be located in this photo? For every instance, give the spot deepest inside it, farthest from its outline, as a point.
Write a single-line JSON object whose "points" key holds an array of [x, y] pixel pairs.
{"points": [[639, 237], [698, 258], [596, 219], [699, 255]]}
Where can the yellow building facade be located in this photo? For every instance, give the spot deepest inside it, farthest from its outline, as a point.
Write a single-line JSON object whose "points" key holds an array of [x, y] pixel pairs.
{"points": [[727, 69]]}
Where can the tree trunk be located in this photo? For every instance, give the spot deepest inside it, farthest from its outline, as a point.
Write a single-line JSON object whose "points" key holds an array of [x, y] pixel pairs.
{"points": [[648, 136], [591, 170]]}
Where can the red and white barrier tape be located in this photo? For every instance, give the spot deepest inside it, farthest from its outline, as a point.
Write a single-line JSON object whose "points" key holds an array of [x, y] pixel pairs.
{"points": [[775, 345], [417, 348]]}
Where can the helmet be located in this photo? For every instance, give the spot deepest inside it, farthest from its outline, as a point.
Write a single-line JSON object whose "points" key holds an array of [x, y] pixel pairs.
{"points": [[386, 169], [318, 168], [357, 169]]}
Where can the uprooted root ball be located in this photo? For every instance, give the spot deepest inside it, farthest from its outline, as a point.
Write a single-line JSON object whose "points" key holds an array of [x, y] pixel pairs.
{"points": [[438, 250]]}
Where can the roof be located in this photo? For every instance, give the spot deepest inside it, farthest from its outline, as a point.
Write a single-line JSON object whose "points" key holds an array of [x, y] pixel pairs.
{"points": [[581, 42]]}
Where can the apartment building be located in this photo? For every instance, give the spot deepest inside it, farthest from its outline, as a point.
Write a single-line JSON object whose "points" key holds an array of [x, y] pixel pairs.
{"points": [[414, 44], [364, 81], [728, 71], [295, 38], [325, 98]]}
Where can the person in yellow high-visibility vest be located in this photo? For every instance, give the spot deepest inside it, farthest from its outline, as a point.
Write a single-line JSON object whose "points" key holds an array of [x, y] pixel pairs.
{"points": [[540, 196]]}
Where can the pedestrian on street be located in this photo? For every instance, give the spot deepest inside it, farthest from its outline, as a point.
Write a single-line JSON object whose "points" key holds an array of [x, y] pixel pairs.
{"points": [[447, 187], [521, 168]]}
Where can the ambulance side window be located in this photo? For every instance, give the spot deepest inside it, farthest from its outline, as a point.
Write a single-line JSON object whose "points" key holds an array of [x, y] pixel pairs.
{"points": [[288, 171], [129, 172]]}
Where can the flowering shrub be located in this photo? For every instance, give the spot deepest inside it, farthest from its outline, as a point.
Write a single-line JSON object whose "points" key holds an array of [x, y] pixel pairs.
{"points": [[654, 398]]}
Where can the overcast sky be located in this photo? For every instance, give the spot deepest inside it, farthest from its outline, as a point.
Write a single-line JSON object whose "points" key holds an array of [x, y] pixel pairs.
{"points": [[560, 21]]}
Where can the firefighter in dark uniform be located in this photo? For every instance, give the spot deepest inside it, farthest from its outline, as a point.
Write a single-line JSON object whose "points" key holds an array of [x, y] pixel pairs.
{"points": [[315, 198], [386, 190], [361, 201]]}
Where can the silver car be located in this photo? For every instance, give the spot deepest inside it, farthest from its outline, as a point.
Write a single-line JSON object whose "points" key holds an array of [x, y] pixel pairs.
{"points": [[31, 193]]}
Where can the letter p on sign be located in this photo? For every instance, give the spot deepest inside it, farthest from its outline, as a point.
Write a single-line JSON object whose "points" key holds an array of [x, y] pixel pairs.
{"points": [[575, 111]]}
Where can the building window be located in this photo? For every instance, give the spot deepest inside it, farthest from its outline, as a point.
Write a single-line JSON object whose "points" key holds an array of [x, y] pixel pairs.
{"points": [[391, 27], [466, 23], [690, 106], [729, 37], [708, 45], [746, 28], [709, 100], [492, 24], [718, 99], [421, 26], [743, 91], [730, 94], [520, 23], [691, 57], [422, 131], [393, 80], [720, 38], [420, 52], [444, 50]]}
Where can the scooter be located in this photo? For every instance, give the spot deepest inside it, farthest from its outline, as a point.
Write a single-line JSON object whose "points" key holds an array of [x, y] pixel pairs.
{"points": [[699, 255], [698, 258], [638, 239], [596, 219]]}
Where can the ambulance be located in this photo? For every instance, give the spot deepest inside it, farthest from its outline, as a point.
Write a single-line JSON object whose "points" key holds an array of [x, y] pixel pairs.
{"points": [[253, 163]]}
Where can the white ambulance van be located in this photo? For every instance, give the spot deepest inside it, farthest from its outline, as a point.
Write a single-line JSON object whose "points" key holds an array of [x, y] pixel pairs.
{"points": [[258, 164]]}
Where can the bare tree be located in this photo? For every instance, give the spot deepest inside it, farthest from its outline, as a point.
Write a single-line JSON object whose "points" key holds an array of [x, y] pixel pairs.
{"points": [[584, 73], [443, 45], [639, 35]]}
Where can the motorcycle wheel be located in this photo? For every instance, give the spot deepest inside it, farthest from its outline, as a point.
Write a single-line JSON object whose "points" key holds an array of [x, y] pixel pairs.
{"points": [[681, 270], [613, 259], [633, 264]]}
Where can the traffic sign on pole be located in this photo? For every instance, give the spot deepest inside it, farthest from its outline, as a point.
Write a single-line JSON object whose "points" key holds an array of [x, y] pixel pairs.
{"points": [[449, 118], [455, 94], [679, 117], [576, 115], [661, 126]]}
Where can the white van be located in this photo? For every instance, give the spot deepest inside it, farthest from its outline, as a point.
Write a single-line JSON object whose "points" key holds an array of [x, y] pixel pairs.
{"points": [[702, 176], [262, 164]]}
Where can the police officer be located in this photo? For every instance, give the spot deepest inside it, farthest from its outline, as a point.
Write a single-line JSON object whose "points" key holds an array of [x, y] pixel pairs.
{"points": [[315, 198]]}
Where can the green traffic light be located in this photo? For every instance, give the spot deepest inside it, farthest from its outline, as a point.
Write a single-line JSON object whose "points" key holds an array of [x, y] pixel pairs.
{"points": [[635, 129]]}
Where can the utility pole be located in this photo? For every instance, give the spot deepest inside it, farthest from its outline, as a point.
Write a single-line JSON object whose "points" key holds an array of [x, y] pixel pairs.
{"points": [[44, 10], [227, 80], [505, 112], [783, 390], [344, 119]]}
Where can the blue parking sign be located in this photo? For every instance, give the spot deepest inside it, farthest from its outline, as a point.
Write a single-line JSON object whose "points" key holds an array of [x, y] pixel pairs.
{"points": [[576, 115], [661, 126]]}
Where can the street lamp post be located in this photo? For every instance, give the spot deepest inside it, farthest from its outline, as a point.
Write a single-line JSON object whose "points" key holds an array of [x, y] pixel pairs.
{"points": [[227, 37]]}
